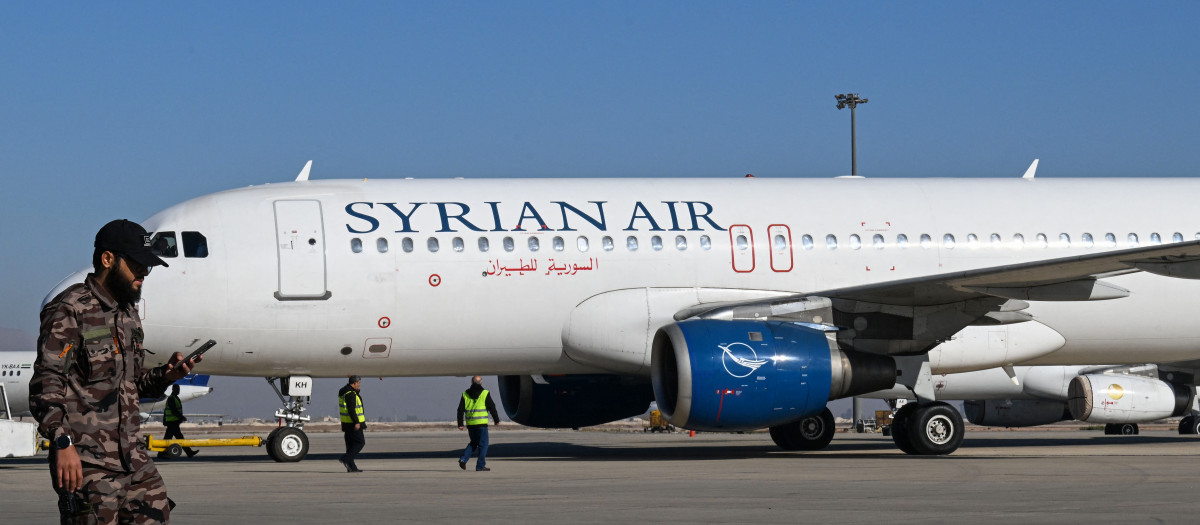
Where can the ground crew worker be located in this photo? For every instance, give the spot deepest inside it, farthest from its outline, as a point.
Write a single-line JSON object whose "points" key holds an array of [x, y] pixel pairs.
{"points": [[476, 404], [350, 407], [172, 418], [87, 379]]}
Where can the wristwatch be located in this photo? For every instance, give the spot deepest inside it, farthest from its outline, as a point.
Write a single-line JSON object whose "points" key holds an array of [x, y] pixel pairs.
{"points": [[63, 441]]}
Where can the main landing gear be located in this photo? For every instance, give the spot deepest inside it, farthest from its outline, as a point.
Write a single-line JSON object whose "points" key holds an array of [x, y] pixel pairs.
{"points": [[289, 443], [810, 433], [933, 429]]}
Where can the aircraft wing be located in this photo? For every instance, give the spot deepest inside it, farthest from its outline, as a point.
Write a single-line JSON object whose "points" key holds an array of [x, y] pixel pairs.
{"points": [[910, 316]]}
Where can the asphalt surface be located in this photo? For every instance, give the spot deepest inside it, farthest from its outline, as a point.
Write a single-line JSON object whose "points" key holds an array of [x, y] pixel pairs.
{"points": [[592, 477]]}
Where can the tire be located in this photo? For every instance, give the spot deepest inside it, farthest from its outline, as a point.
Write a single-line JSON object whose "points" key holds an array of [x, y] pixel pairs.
{"points": [[1195, 425], [1129, 429], [174, 450], [935, 430], [1188, 425], [810, 433], [287, 445], [899, 428], [1111, 429]]}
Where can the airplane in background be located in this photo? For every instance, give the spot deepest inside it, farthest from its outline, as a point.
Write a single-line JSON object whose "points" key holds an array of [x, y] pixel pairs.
{"points": [[1121, 397], [16, 367], [736, 304]]}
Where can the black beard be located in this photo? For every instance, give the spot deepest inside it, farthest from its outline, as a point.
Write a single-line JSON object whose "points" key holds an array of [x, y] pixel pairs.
{"points": [[122, 288]]}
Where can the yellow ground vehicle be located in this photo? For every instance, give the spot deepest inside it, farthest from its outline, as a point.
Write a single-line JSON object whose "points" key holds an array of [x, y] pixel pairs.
{"points": [[174, 447], [658, 423]]}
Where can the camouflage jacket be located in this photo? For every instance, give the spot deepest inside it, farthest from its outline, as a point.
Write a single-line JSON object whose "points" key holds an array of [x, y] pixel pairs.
{"points": [[88, 376]]}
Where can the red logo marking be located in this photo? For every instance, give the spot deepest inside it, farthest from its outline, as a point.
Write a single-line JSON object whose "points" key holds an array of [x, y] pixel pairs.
{"points": [[435, 280], [384, 322]]}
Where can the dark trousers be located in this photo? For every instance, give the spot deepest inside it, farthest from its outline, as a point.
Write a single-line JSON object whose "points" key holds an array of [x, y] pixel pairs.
{"points": [[479, 442], [173, 432], [355, 441]]}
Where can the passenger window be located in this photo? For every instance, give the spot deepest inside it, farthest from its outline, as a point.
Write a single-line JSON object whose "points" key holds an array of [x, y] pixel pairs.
{"points": [[607, 243], [995, 239], [509, 245], [855, 242], [458, 244], [831, 241], [1178, 237], [1087, 240], [1042, 241], [484, 245], [194, 244], [406, 244], [356, 245], [534, 244], [780, 242], [877, 241], [680, 242], [926, 240], [948, 241], [582, 243], [432, 244], [1133, 239], [902, 240], [656, 243], [381, 245], [1064, 240], [972, 240], [705, 243], [806, 241], [163, 245], [631, 243], [559, 244], [1110, 240], [1155, 239], [1018, 240]]}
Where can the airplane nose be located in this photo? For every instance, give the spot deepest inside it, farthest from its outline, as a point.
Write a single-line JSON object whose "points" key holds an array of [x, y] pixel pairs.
{"points": [[74, 278]]}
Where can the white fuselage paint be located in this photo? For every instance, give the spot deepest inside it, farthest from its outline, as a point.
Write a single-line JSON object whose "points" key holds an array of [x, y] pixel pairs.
{"points": [[465, 312]]}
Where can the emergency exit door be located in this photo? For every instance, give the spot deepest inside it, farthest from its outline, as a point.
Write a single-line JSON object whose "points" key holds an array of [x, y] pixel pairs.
{"points": [[300, 243]]}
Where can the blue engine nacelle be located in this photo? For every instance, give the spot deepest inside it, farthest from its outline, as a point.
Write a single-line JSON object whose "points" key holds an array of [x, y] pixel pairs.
{"points": [[744, 375], [574, 401]]}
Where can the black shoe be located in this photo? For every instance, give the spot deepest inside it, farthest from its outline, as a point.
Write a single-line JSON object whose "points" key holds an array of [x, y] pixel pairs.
{"points": [[192, 453], [484, 469], [462, 465], [347, 465], [354, 468]]}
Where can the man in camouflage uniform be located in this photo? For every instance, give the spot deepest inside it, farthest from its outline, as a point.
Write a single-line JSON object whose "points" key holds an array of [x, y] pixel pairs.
{"points": [[86, 383]]}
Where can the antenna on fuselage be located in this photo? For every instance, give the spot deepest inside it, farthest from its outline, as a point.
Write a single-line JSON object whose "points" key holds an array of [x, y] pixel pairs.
{"points": [[1028, 173], [308, 167]]}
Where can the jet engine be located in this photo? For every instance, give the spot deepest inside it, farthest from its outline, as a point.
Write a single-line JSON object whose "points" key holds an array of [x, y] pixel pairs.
{"points": [[743, 375], [1015, 413], [573, 401], [1101, 398]]}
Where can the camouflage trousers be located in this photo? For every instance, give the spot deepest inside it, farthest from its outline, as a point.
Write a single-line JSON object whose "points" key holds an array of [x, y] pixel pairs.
{"points": [[115, 497]]}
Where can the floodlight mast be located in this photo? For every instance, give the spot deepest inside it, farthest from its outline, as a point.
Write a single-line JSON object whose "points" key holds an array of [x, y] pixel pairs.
{"points": [[851, 100]]}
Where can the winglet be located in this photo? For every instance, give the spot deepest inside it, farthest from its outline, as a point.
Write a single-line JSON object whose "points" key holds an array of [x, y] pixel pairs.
{"points": [[304, 172], [1029, 172]]}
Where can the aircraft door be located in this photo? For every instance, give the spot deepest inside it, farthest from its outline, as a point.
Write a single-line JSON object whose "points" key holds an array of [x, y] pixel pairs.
{"points": [[781, 247], [300, 243], [741, 242]]}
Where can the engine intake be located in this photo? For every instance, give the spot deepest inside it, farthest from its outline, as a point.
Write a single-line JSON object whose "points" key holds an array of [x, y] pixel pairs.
{"points": [[744, 375], [1101, 398]]}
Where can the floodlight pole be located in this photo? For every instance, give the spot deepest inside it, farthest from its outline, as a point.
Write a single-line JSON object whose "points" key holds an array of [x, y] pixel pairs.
{"points": [[852, 100]]}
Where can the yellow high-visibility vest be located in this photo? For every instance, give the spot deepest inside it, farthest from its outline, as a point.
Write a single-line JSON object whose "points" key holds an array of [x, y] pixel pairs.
{"points": [[173, 411], [476, 409], [344, 411]]}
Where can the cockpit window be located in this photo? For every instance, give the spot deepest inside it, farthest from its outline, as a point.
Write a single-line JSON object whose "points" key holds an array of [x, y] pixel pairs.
{"points": [[163, 245], [194, 244]]}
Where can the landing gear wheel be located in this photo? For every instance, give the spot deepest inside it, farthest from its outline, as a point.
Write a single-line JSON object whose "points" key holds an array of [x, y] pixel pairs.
{"points": [[810, 433], [1129, 429], [934, 430], [1188, 425], [899, 428], [174, 450], [287, 445]]}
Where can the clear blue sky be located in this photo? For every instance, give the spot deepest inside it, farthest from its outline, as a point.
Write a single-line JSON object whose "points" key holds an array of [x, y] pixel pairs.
{"points": [[120, 109]]}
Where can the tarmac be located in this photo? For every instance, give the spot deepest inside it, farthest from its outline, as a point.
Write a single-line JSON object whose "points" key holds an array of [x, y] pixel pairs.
{"points": [[541, 476]]}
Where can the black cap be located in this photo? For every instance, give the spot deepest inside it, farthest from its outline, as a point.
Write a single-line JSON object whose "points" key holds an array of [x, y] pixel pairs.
{"points": [[355, 379], [129, 239]]}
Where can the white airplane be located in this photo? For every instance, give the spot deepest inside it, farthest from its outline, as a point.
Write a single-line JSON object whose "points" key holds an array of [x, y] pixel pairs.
{"points": [[592, 297], [1118, 396]]}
